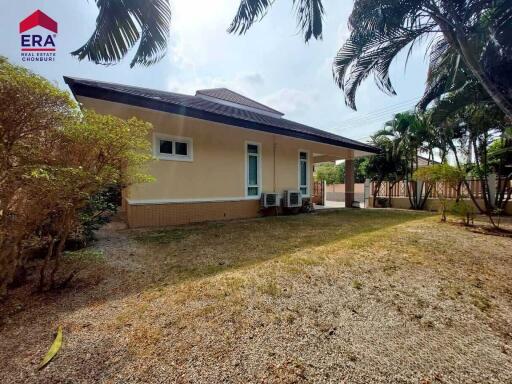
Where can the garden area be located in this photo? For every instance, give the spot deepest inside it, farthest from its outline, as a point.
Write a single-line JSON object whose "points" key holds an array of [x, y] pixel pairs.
{"points": [[352, 296]]}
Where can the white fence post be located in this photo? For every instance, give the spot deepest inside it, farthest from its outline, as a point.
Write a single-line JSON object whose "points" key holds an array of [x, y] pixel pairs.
{"points": [[366, 192]]}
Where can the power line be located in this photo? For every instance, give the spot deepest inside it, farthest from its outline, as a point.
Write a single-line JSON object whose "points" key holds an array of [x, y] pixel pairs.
{"points": [[379, 111], [376, 119], [380, 115], [372, 119]]}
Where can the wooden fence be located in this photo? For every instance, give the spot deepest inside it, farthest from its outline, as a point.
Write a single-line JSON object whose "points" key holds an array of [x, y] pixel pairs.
{"points": [[399, 189]]}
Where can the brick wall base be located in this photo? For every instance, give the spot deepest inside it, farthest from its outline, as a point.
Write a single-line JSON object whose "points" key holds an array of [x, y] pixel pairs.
{"points": [[159, 215]]}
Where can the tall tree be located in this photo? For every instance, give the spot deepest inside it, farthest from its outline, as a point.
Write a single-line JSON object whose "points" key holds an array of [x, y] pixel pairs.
{"points": [[380, 29], [474, 32], [469, 124], [121, 24]]}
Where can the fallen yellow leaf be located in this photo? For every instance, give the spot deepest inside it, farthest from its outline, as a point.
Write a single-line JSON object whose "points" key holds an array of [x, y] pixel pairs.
{"points": [[57, 343]]}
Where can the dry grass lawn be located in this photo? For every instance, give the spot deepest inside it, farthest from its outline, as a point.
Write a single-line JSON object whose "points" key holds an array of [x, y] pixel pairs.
{"points": [[353, 296]]}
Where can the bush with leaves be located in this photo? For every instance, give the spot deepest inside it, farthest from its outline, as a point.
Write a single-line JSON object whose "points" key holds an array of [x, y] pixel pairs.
{"points": [[31, 111], [465, 210], [93, 151], [97, 211], [53, 158]]}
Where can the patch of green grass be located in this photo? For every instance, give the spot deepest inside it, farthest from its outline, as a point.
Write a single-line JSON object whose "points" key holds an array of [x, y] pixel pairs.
{"points": [[270, 287], [296, 243], [163, 236], [86, 255], [481, 302]]}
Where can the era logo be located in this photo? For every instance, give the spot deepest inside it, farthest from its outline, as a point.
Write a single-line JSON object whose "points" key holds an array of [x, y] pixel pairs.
{"points": [[38, 42]]}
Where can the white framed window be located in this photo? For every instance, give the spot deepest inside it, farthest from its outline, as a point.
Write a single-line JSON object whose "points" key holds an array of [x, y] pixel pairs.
{"points": [[173, 147], [252, 169], [304, 173]]}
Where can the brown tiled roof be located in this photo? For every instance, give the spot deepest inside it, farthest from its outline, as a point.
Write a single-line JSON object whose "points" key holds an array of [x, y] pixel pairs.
{"points": [[233, 97]]}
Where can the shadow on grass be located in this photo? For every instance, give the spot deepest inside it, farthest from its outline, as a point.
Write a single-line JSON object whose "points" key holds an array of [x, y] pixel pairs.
{"points": [[198, 251], [166, 257]]}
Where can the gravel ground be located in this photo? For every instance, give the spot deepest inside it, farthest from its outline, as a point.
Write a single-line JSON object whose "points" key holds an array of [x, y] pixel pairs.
{"points": [[355, 296]]}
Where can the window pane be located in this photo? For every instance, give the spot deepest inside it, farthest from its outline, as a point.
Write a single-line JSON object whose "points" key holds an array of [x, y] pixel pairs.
{"points": [[304, 191], [303, 173], [166, 147], [304, 155], [253, 170], [251, 148], [181, 148], [252, 191]]}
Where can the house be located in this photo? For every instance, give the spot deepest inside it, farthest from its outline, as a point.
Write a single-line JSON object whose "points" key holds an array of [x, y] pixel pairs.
{"points": [[217, 152]]}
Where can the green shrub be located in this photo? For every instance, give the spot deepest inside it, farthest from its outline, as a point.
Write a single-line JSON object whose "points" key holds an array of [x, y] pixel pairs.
{"points": [[465, 210]]}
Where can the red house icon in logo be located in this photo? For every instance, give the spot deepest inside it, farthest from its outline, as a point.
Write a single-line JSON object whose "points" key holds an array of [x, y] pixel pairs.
{"points": [[38, 19], [34, 41]]}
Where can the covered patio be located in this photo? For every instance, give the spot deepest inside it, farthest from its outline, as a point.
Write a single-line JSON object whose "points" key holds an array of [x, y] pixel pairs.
{"points": [[320, 199]]}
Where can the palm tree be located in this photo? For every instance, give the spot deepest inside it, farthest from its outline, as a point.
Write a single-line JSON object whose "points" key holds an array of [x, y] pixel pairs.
{"points": [[469, 122], [121, 24], [387, 166], [463, 30], [475, 33], [409, 134]]}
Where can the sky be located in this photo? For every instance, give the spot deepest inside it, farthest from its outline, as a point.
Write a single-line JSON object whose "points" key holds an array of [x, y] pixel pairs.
{"points": [[270, 63]]}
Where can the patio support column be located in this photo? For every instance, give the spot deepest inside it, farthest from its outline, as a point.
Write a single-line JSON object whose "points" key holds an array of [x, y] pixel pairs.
{"points": [[349, 183]]}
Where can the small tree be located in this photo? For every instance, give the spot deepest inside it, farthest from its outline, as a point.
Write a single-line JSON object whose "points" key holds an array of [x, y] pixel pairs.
{"points": [[53, 158], [91, 153], [439, 177], [328, 172], [31, 111]]}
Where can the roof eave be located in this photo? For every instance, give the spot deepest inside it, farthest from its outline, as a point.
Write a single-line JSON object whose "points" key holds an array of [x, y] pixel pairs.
{"points": [[86, 90]]}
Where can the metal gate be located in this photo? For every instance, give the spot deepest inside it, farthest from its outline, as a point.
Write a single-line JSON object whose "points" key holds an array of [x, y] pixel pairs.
{"points": [[318, 196]]}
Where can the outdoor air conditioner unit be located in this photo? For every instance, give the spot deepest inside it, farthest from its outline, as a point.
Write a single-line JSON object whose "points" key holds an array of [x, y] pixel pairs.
{"points": [[269, 200], [292, 199]]}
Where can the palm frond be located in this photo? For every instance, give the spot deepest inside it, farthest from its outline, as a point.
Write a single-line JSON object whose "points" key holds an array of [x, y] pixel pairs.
{"points": [[470, 93], [367, 53], [446, 73], [121, 24], [310, 15], [249, 11]]}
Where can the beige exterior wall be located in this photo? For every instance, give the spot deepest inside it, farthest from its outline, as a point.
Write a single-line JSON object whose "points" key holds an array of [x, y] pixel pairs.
{"points": [[217, 172]]}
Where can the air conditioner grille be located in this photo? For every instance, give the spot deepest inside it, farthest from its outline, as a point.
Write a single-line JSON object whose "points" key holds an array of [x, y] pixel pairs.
{"points": [[269, 200], [292, 199]]}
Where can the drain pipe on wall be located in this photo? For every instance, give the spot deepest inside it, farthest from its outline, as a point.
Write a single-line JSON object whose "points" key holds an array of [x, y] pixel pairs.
{"points": [[275, 181]]}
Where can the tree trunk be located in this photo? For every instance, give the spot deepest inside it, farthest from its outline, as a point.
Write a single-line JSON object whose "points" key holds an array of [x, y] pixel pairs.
{"points": [[60, 248], [488, 84], [471, 195], [8, 263], [46, 261], [375, 192]]}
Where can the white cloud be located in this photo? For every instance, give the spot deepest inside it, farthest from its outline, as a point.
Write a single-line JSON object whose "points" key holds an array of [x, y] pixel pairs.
{"points": [[247, 84], [289, 100]]}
